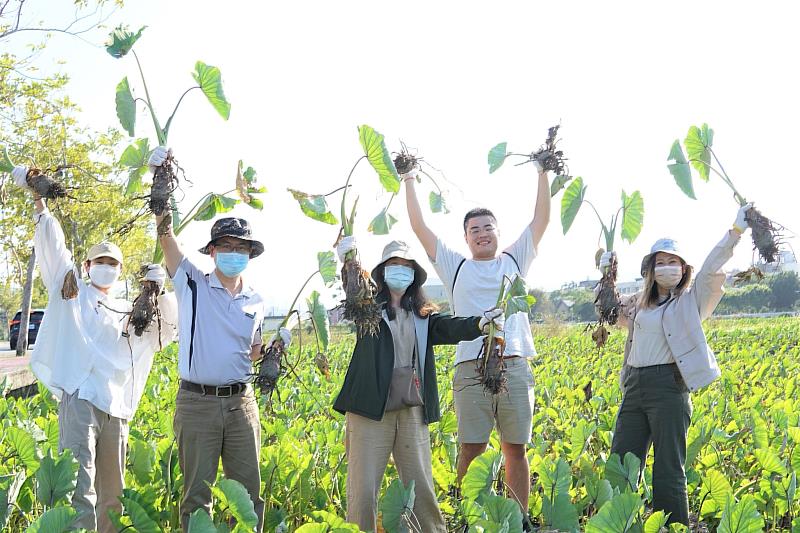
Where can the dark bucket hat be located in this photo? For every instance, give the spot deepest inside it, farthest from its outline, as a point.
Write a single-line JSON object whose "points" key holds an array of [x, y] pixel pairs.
{"points": [[233, 227]]}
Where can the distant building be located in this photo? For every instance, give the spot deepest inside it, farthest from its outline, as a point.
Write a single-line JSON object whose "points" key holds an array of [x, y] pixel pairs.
{"points": [[630, 287]]}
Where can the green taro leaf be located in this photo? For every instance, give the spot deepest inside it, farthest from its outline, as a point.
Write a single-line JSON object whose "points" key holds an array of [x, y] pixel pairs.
{"points": [[397, 504], [314, 206], [517, 298], [559, 182], [319, 315], [326, 262], [210, 81], [55, 479], [10, 486], [378, 156], [555, 476], [741, 517], [313, 528], [382, 223], [632, 215], [571, 202], [560, 514], [680, 169], [235, 497], [617, 516], [56, 520], [600, 491], [213, 205], [121, 40], [716, 486], [142, 458], [5, 163], [200, 522], [769, 461], [141, 520], [23, 446], [500, 510], [656, 521], [579, 437], [481, 474], [624, 476], [437, 203], [497, 155], [697, 142], [336, 523], [135, 159], [126, 107]]}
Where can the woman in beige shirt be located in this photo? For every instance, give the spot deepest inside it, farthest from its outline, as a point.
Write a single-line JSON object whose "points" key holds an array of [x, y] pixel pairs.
{"points": [[667, 357]]}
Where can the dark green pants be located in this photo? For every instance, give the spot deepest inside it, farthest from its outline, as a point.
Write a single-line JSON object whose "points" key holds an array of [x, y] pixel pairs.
{"points": [[656, 410]]}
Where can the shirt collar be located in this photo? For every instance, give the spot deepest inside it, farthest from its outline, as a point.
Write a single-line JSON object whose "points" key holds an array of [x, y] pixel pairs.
{"points": [[215, 283]]}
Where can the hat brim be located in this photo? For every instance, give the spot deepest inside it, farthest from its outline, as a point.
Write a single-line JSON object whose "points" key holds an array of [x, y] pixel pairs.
{"points": [[115, 257], [377, 272], [256, 247], [646, 259]]}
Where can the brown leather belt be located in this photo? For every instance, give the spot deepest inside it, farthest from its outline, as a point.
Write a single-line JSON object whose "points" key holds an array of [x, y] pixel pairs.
{"points": [[222, 391]]}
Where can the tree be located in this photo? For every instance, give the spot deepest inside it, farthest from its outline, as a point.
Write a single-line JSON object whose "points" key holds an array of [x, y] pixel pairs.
{"points": [[785, 290]]}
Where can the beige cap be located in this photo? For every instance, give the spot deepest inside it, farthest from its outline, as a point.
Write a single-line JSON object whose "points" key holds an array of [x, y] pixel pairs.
{"points": [[105, 249], [398, 249]]}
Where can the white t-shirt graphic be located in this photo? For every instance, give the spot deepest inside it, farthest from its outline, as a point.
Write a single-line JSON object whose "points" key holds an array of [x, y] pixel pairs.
{"points": [[477, 287]]}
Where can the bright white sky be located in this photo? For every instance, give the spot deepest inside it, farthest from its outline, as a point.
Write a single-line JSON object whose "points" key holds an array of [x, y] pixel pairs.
{"points": [[452, 79]]}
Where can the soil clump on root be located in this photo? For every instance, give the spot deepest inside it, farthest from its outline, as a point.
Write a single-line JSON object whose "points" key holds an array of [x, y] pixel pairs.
{"points": [[269, 370], [492, 367], [766, 235], [359, 303], [69, 289], [145, 306], [46, 186], [405, 162], [165, 181], [549, 156], [607, 303]]}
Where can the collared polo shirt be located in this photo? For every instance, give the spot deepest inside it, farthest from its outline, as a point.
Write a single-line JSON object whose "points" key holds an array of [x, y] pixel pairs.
{"points": [[216, 330]]}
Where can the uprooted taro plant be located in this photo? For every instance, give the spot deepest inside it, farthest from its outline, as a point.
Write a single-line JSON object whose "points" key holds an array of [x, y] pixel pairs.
{"points": [[631, 214], [273, 361], [360, 291], [698, 144], [548, 156]]}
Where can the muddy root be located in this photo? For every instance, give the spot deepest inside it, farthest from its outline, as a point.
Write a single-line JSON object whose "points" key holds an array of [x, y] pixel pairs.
{"points": [[766, 235], [145, 306], [359, 302], [44, 185], [492, 367], [69, 289], [405, 162], [269, 370], [549, 156], [165, 181], [606, 303]]}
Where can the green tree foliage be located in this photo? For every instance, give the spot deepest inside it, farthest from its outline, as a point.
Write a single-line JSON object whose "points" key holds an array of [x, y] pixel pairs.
{"points": [[785, 288]]}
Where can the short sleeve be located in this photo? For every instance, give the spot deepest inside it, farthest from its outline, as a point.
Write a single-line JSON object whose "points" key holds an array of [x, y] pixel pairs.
{"points": [[523, 251], [185, 273], [447, 262]]}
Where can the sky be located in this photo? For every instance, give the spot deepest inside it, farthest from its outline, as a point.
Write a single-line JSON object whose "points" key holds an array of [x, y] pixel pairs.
{"points": [[451, 80]]}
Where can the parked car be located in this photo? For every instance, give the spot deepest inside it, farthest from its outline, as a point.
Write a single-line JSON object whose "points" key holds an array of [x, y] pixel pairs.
{"points": [[33, 327]]}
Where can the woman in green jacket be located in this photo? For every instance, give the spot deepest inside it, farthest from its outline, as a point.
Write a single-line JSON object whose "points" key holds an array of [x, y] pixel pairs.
{"points": [[389, 395], [667, 357]]}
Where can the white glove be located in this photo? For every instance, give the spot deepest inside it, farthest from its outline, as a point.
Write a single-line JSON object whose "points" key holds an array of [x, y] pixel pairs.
{"points": [[19, 174], [605, 260], [347, 244], [285, 336], [494, 316], [157, 157], [410, 175], [156, 273], [740, 224], [537, 166]]}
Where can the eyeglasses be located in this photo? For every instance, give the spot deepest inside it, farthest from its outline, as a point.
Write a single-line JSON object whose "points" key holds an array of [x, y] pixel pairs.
{"points": [[237, 248], [486, 229]]}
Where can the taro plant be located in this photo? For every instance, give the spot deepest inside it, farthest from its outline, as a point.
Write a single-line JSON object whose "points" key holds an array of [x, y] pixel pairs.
{"points": [[548, 156], [699, 155], [630, 218]]}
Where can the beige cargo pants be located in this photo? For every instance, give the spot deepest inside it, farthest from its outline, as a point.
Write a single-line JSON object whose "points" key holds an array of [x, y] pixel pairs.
{"points": [[99, 442], [210, 428], [405, 436]]}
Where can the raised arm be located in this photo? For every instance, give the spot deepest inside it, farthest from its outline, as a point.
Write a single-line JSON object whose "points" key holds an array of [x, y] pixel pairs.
{"points": [[426, 237], [541, 214]]}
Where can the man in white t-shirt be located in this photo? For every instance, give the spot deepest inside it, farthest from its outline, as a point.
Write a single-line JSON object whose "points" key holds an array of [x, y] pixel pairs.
{"points": [[472, 285]]}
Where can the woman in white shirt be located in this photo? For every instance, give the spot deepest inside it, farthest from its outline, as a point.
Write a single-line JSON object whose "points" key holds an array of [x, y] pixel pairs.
{"points": [[666, 357]]}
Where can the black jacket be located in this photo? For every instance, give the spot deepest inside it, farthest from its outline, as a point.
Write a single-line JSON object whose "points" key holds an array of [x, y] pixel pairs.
{"points": [[366, 385]]}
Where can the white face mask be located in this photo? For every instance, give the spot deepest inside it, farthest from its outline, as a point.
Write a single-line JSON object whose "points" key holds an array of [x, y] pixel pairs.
{"points": [[668, 276], [103, 276]]}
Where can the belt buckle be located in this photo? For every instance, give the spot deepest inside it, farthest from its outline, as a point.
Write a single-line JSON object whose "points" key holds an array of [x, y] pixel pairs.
{"points": [[230, 391]]}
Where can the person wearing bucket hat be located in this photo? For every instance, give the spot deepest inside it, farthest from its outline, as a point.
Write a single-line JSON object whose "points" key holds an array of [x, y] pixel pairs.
{"points": [[471, 284], [220, 316], [390, 395], [90, 360], [667, 357]]}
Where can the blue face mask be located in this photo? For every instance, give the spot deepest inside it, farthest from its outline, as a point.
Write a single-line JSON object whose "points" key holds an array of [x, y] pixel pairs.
{"points": [[398, 277], [231, 263]]}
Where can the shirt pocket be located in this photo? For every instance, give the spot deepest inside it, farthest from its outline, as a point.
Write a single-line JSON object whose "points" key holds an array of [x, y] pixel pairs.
{"points": [[250, 320]]}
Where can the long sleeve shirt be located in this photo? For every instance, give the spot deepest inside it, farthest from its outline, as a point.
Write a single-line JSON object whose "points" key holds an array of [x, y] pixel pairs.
{"points": [[84, 343]]}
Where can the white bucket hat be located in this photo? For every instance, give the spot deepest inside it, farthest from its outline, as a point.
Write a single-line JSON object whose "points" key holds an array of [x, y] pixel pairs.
{"points": [[665, 245], [397, 249]]}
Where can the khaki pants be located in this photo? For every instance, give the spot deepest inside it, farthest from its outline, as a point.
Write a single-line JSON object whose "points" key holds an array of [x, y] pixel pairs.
{"points": [[99, 442], [478, 412], [403, 434], [210, 428]]}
